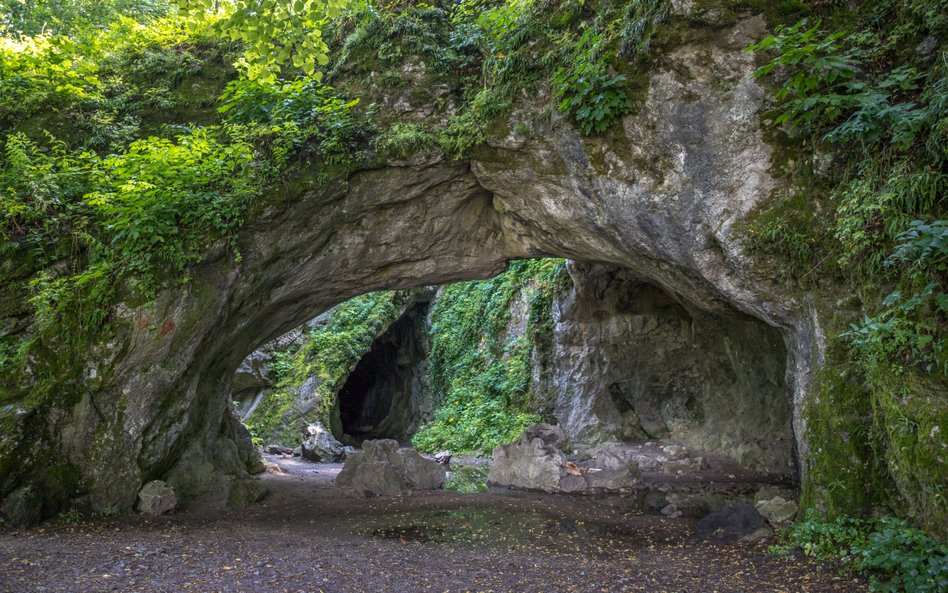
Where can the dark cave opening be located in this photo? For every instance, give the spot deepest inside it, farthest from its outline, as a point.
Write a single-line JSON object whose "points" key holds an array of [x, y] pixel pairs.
{"points": [[386, 395]]}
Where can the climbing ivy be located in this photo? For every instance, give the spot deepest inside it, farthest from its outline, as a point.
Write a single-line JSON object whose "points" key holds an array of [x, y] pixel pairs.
{"points": [[480, 367]]}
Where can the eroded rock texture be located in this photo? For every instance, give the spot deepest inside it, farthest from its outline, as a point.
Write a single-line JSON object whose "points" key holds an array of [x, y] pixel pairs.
{"points": [[660, 197], [633, 362]]}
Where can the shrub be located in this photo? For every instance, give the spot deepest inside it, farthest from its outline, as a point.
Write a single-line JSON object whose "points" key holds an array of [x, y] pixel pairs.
{"points": [[896, 556], [586, 90]]}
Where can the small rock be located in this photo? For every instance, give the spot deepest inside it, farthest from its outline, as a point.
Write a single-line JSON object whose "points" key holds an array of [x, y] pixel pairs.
{"points": [[273, 468], [320, 446], [443, 457], [777, 510], [278, 450], [612, 479], [671, 511], [655, 500], [156, 498], [925, 51], [612, 458], [769, 492], [758, 535], [675, 451], [553, 437], [688, 465], [572, 484]]}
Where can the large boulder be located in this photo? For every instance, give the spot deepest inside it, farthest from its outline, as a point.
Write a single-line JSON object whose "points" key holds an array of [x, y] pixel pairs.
{"points": [[320, 446], [381, 469], [156, 498], [533, 461], [611, 469]]}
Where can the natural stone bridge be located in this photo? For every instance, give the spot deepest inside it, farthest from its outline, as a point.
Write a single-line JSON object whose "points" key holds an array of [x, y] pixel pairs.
{"points": [[660, 198]]}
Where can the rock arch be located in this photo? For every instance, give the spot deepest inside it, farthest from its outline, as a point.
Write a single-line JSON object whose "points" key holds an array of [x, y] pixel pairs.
{"points": [[660, 196]]}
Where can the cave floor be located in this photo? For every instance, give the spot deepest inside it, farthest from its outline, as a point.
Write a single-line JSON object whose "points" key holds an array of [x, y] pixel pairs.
{"points": [[310, 537]]}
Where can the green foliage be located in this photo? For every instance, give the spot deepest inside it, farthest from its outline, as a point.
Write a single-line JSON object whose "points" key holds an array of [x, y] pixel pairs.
{"points": [[819, 72], [491, 54], [588, 93], [587, 86], [467, 479], [161, 199], [859, 89], [640, 18], [476, 422], [479, 373], [905, 332], [72, 17], [294, 114], [72, 517], [104, 89], [297, 24], [114, 221], [897, 556], [281, 365], [40, 70], [923, 246], [469, 128], [785, 227], [403, 140], [378, 38]]}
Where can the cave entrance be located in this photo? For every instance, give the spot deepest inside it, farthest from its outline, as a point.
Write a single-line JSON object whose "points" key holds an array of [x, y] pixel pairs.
{"points": [[385, 395], [611, 356], [636, 363]]}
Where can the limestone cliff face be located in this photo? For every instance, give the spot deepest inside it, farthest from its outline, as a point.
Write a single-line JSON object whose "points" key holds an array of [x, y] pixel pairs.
{"points": [[660, 198]]}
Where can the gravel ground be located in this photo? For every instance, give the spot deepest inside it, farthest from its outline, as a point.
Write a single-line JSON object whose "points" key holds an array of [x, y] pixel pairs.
{"points": [[309, 537]]}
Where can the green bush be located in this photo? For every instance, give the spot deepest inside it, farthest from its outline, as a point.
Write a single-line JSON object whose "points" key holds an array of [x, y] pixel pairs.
{"points": [[295, 113], [896, 556], [586, 90]]}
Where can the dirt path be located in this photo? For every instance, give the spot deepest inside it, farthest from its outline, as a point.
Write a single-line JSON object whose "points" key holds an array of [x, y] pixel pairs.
{"points": [[309, 537]]}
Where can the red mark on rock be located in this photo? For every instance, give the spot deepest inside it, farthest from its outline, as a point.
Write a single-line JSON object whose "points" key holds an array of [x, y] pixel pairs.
{"points": [[167, 327]]}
